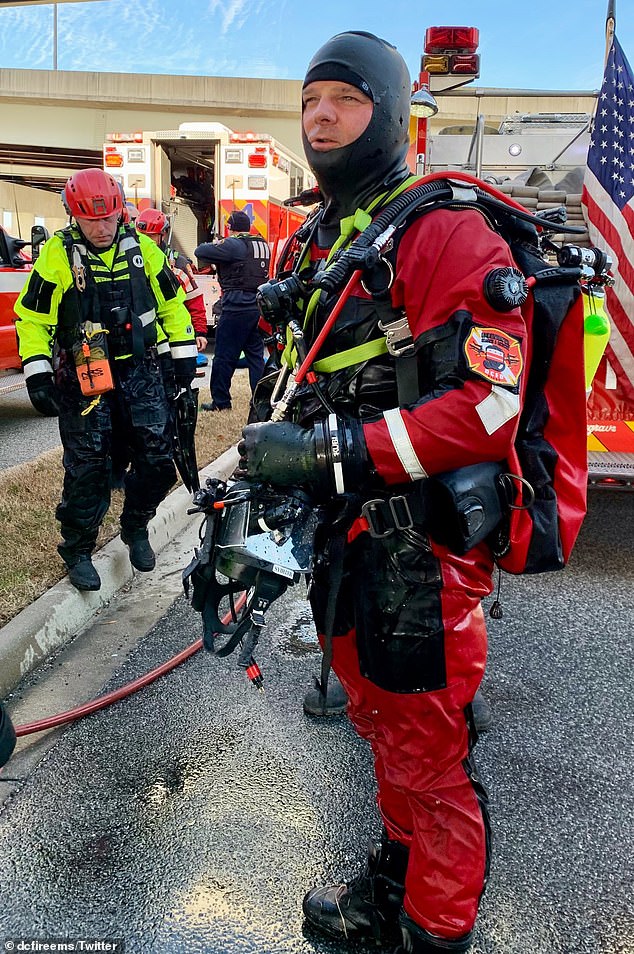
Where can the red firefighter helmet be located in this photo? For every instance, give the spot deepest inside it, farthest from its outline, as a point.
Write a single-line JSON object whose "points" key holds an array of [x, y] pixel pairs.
{"points": [[92, 194], [151, 222]]}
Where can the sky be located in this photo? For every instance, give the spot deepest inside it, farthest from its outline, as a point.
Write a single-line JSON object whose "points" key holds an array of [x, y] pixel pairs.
{"points": [[560, 46]]}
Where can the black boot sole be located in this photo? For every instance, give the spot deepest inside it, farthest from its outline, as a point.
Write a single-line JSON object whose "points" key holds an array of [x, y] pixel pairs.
{"points": [[85, 587]]}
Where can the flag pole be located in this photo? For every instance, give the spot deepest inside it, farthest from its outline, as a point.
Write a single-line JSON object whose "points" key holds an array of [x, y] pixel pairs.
{"points": [[610, 26]]}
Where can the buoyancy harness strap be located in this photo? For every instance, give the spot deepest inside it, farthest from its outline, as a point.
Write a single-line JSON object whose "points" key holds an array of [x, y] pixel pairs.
{"points": [[345, 359], [357, 223]]}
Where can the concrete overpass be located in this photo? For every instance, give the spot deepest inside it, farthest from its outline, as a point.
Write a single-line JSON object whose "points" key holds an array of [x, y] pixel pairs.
{"points": [[52, 122]]}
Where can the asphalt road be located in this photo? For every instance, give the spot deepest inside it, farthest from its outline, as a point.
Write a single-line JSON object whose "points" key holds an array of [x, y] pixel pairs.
{"points": [[23, 432], [193, 816]]}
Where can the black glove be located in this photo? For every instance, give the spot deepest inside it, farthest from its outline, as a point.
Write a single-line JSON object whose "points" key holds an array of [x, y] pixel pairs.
{"points": [[329, 458], [184, 371], [43, 394]]}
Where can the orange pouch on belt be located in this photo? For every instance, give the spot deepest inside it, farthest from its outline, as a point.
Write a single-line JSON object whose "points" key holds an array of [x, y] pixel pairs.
{"points": [[91, 360]]}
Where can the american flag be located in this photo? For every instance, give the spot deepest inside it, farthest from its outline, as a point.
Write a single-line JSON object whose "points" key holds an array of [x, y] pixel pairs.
{"points": [[608, 194]]}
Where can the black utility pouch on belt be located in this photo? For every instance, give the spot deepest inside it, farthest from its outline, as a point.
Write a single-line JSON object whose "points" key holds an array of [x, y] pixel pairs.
{"points": [[127, 334], [464, 506]]}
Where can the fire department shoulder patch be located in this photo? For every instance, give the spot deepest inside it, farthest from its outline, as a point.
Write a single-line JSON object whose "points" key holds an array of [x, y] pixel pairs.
{"points": [[494, 355]]}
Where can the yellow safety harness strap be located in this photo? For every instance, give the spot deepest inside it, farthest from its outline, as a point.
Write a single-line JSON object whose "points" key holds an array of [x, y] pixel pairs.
{"points": [[357, 355], [358, 222]]}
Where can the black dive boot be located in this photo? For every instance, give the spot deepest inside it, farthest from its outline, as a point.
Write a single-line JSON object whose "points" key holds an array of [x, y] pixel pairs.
{"points": [[334, 704], [81, 571], [416, 940], [75, 550], [369, 906], [141, 553], [482, 714]]}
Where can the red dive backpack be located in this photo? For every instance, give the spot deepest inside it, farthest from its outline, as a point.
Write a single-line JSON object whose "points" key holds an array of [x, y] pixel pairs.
{"points": [[542, 494], [546, 507]]}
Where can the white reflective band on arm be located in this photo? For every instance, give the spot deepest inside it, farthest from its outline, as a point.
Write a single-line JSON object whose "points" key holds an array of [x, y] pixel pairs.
{"points": [[147, 317], [163, 347], [38, 367], [184, 350], [128, 242], [403, 445], [497, 408], [335, 448]]}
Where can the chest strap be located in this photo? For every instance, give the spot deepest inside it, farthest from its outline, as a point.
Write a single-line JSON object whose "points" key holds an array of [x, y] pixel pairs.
{"points": [[356, 355]]}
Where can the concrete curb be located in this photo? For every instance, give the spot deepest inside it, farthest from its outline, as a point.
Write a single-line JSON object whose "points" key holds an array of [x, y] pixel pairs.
{"points": [[60, 613]]}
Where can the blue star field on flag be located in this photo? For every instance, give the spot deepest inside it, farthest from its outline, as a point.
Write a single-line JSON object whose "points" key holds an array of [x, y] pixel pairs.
{"points": [[611, 153]]}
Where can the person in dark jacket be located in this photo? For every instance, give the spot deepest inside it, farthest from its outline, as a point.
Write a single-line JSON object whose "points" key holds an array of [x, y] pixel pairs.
{"points": [[242, 262]]}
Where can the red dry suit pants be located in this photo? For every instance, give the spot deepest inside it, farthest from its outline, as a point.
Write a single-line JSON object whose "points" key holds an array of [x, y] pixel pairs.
{"points": [[429, 795]]}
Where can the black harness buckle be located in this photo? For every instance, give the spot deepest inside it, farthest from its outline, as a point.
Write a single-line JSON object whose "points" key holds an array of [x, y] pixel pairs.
{"points": [[386, 516]]}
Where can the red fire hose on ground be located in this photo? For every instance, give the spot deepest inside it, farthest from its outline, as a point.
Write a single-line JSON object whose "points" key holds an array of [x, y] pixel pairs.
{"points": [[102, 702]]}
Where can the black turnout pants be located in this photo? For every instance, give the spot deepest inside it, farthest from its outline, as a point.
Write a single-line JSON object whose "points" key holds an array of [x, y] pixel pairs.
{"points": [[135, 414]]}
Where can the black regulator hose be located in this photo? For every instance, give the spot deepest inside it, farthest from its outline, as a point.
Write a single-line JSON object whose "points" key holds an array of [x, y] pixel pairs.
{"points": [[355, 256]]}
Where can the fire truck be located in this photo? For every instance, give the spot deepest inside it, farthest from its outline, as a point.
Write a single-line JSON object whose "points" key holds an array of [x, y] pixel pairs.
{"points": [[15, 265], [201, 172], [539, 159]]}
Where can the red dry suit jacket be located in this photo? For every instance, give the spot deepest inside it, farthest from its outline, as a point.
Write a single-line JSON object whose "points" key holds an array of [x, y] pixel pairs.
{"points": [[441, 263]]}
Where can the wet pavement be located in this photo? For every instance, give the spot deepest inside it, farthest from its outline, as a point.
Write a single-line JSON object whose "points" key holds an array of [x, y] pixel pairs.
{"points": [[193, 816]]}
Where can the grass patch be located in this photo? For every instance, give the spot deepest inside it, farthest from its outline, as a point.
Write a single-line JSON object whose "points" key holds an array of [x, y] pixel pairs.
{"points": [[29, 494]]}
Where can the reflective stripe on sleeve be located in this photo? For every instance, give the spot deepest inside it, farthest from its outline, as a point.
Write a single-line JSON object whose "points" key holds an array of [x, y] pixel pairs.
{"points": [[498, 407], [183, 349], [403, 444], [37, 366], [163, 347], [147, 317]]}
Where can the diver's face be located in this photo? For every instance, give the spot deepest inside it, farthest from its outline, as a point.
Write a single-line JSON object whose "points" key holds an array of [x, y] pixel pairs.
{"points": [[334, 114]]}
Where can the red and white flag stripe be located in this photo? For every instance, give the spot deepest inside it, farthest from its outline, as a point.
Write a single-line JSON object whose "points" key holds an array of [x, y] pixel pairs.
{"points": [[613, 231]]}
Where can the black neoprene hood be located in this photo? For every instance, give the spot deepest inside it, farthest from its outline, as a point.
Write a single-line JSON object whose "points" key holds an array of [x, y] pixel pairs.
{"points": [[350, 175]]}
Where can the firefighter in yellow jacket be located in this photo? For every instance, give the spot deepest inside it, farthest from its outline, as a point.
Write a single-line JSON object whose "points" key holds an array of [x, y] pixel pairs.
{"points": [[98, 319]]}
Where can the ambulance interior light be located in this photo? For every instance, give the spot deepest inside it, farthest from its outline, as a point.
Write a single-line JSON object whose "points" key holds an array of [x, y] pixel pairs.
{"points": [[124, 137]]}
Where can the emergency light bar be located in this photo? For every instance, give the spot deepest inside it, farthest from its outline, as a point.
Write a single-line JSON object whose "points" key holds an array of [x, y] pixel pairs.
{"points": [[250, 137], [451, 39], [449, 52]]}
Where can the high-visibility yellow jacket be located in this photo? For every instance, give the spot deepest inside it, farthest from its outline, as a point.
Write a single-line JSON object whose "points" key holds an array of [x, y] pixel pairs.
{"points": [[51, 279]]}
